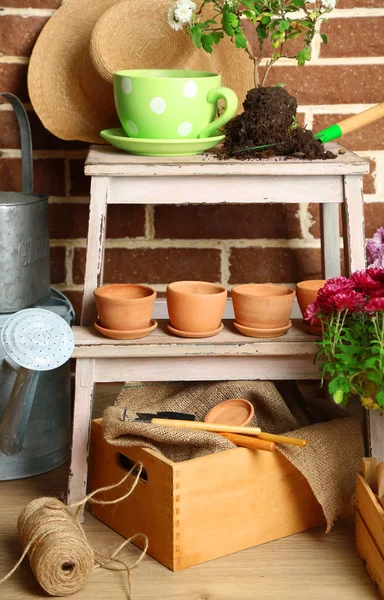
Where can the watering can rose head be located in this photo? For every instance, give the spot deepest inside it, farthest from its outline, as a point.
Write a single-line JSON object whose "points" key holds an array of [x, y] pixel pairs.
{"points": [[212, 20], [351, 310]]}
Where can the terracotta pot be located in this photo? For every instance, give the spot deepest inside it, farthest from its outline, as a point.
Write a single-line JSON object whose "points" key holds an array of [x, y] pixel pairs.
{"points": [[196, 306], [124, 306], [306, 293], [262, 306]]}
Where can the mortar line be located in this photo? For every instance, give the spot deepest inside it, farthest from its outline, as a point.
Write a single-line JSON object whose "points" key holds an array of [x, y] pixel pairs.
{"points": [[149, 232]]}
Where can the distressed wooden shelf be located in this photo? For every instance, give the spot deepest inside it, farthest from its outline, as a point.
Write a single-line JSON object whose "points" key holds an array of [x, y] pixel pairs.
{"points": [[161, 343]]}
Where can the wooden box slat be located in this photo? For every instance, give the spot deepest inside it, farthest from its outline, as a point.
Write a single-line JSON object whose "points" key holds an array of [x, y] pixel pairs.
{"points": [[207, 507]]}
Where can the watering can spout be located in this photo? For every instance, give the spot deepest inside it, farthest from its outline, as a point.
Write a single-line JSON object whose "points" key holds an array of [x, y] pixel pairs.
{"points": [[15, 418]]}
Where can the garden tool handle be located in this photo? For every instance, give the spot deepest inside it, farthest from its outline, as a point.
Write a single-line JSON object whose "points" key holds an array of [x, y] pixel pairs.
{"points": [[245, 441], [282, 439], [26, 141], [364, 118], [213, 427]]}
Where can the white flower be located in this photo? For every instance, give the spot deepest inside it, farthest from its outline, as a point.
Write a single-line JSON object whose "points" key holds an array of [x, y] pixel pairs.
{"points": [[172, 21], [183, 13], [330, 4]]}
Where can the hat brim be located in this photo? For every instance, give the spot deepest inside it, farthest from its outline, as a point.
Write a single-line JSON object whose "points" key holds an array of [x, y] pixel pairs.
{"points": [[73, 101]]}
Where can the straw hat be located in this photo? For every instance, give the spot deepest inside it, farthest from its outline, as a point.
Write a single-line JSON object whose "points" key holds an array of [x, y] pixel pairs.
{"points": [[71, 68]]}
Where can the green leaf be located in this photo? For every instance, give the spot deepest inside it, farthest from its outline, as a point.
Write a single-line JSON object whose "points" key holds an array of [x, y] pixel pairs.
{"points": [[370, 363], [265, 20], [249, 3], [240, 40], [196, 35], [299, 3], [227, 24], [324, 38], [249, 14], [375, 377], [217, 36], [303, 56], [284, 25], [207, 42], [261, 32], [380, 398]]}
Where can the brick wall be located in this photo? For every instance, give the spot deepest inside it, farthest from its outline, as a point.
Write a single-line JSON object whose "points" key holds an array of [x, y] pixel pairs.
{"points": [[220, 243]]}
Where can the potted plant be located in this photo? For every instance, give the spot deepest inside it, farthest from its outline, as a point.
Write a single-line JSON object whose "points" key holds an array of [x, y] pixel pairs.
{"points": [[351, 354], [269, 116]]}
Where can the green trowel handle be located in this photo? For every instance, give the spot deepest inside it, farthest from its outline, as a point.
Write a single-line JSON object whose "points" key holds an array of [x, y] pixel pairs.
{"points": [[351, 123], [231, 102]]}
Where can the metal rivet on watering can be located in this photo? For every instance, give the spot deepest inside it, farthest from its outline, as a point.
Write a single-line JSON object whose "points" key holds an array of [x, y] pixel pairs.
{"points": [[37, 340]]}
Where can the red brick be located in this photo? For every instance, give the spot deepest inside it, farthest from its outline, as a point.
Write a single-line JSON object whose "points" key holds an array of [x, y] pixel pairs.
{"points": [[360, 3], [334, 84], [227, 221], [42, 139], [18, 34], [124, 220], [13, 79], [70, 220], [80, 184], [370, 137], [354, 37], [48, 175], [76, 299], [160, 265], [57, 265], [31, 3], [374, 217], [276, 265]]}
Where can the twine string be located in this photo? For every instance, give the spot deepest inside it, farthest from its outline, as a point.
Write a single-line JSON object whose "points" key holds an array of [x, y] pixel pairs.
{"points": [[60, 555]]}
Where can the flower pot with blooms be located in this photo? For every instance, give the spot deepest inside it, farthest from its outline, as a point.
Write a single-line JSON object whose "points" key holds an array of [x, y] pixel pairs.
{"points": [[269, 113], [351, 354]]}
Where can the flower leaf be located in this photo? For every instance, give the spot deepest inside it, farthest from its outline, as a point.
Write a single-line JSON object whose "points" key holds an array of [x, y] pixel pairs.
{"points": [[324, 38], [240, 39]]}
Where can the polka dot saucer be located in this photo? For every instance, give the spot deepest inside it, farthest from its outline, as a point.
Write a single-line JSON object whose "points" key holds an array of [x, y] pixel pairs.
{"points": [[153, 147]]}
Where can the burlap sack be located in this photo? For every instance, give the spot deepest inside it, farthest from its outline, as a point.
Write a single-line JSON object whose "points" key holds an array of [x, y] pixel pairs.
{"points": [[329, 462]]}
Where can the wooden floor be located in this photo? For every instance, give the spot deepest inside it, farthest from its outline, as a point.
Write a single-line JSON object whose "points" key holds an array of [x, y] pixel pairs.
{"points": [[308, 566]]}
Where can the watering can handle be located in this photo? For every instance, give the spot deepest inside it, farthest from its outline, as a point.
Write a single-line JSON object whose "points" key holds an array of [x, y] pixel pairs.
{"points": [[26, 141]]}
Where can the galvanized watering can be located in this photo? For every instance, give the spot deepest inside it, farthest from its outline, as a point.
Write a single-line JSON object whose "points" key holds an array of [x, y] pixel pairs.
{"points": [[24, 234], [34, 340]]}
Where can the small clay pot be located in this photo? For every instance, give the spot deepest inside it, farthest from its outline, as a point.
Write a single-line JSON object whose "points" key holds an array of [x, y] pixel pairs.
{"points": [[306, 293], [236, 411], [124, 306], [262, 306], [196, 306]]}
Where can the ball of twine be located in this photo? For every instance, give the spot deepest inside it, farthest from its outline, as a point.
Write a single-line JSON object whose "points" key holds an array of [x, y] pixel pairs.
{"points": [[60, 555]]}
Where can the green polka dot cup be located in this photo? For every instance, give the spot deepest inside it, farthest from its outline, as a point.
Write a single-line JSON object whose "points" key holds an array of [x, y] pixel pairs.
{"points": [[154, 104]]}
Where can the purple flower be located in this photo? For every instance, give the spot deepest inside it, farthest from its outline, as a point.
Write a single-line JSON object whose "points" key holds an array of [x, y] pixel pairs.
{"points": [[375, 249]]}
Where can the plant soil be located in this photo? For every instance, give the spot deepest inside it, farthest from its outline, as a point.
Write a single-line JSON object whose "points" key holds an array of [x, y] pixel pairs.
{"points": [[269, 117]]}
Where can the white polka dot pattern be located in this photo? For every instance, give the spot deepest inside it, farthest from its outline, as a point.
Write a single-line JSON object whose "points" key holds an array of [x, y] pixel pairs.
{"points": [[126, 85], [190, 89], [158, 105], [184, 129], [132, 127]]}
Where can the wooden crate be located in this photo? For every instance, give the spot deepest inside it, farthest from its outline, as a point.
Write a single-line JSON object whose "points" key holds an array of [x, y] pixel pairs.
{"points": [[203, 508], [370, 531]]}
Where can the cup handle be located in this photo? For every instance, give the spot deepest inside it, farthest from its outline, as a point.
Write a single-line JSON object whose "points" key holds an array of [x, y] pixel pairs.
{"points": [[231, 100]]}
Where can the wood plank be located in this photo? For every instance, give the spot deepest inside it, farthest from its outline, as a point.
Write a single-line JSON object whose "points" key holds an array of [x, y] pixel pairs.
{"points": [[370, 510], [210, 189], [330, 236], [369, 553], [205, 368], [82, 415], [106, 160], [368, 470], [88, 342], [94, 265]]}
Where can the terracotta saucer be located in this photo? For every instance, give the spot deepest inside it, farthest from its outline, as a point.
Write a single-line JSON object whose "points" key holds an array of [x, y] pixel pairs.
{"points": [[194, 334], [313, 329], [262, 333], [120, 334], [236, 411]]}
